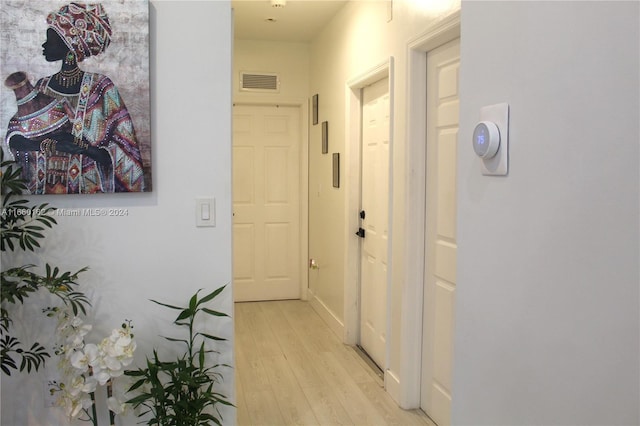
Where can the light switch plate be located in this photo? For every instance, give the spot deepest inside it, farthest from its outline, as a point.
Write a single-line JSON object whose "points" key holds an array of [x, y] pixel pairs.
{"points": [[205, 212], [498, 165]]}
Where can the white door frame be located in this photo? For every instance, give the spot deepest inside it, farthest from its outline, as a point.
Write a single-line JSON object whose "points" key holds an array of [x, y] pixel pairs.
{"points": [[352, 182], [448, 29], [304, 179]]}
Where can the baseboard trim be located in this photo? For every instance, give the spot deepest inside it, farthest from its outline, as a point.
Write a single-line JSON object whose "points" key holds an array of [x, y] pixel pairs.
{"points": [[327, 315], [392, 385]]}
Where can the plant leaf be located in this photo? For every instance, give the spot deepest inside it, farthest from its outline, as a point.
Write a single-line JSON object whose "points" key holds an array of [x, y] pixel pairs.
{"points": [[201, 357], [172, 339], [216, 313], [184, 314], [137, 384], [209, 336], [211, 295], [165, 305], [193, 301]]}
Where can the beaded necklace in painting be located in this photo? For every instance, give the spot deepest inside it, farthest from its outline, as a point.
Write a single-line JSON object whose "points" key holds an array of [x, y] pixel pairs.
{"points": [[72, 75]]}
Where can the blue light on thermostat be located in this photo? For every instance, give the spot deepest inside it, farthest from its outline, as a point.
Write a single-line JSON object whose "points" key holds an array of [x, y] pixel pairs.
{"points": [[486, 139], [480, 138]]}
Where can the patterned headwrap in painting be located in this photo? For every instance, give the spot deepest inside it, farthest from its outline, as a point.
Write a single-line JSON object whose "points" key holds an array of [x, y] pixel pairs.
{"points": [[84, 28]]}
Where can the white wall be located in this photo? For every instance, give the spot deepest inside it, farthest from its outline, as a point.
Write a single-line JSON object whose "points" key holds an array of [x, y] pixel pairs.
{"points": [[547, 319], [155, 251], [287, 59], [290, 61], [357, 40], [336, 56]]}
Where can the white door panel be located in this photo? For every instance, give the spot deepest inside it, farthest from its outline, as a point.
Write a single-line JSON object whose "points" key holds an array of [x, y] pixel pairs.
{"points": [[375, 203], [443, 66], [266, 202]]}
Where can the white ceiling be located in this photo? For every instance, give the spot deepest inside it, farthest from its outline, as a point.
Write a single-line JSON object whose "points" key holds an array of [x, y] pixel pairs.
{"points": [[297, 21]]}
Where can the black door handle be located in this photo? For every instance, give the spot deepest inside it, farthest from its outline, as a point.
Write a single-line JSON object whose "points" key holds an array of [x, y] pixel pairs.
{"points": [[360, 233]]}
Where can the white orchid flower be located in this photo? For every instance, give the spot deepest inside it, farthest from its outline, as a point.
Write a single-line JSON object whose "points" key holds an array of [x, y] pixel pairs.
{"points": [[84, 366], [101, 375], [75, 338], [119, 389], [79, 360], [93, 353], [116, 406], [75, 386]]}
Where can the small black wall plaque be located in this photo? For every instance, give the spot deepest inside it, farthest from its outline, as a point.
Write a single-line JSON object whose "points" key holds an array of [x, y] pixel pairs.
{"points": [[336, 170], [325, 137]]}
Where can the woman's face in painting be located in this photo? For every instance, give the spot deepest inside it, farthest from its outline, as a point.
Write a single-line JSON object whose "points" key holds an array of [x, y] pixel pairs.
{"points": [[54, 49]]}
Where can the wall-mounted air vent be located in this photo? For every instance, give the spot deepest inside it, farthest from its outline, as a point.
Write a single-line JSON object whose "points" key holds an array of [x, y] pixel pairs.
{"points": [[259, 82]]}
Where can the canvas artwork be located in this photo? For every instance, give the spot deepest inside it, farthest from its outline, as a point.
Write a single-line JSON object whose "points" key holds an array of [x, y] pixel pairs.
{"points": [[74, 106]]}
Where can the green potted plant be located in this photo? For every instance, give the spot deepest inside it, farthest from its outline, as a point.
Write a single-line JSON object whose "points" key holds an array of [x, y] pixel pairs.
{"points": [[22, 228], [181, 392], [80, 364]]}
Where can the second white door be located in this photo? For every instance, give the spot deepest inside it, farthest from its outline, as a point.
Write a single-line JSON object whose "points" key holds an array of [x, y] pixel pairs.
{"points": [[266, 202], [375, 205], [443, 66]]}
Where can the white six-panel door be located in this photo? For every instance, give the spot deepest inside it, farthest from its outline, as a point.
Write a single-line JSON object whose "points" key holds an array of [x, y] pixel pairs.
{"points": [[266, 202], [375, 203], [443, 65]]}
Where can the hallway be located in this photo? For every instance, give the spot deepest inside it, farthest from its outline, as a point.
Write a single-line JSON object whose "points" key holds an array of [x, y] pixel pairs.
{"points": [[291, 369]]}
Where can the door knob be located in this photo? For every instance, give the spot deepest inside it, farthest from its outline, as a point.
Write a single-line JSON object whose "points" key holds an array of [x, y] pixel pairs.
{"points": [[362, 214], [360, 233]]}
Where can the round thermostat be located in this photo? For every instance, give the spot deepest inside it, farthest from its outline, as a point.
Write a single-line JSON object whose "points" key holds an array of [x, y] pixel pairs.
{"points": [[486, 139]]}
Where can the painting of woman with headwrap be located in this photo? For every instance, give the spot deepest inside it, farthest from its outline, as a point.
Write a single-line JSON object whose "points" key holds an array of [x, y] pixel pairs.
{"points": [[98, 150]]}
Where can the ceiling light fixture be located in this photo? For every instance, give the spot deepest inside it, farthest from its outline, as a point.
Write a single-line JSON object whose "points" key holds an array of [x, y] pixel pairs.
{"points": [[278, 3]]}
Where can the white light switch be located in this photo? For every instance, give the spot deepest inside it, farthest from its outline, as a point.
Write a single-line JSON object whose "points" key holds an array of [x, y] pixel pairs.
{"points": [[205, 211]]}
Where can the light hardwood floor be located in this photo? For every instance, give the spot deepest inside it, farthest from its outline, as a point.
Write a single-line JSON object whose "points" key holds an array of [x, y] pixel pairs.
{"points": [[291, 369]]}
